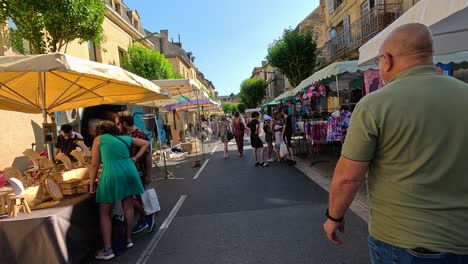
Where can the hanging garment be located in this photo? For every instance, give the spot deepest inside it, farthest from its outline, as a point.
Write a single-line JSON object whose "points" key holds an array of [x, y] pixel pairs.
{"points": [[338, 124]]}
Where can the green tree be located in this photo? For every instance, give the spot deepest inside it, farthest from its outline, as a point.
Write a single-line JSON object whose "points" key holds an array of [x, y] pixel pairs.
{"points": [[229, 107], [49, 25], [252, 92], [147, 63], [241, 108], [295, 54]]}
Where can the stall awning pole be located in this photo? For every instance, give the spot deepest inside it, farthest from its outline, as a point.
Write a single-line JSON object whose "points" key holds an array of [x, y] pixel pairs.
{"points": [[338, 91]]}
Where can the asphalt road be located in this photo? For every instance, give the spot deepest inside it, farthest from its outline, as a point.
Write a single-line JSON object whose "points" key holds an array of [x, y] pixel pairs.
{"points": [[234, 212]]}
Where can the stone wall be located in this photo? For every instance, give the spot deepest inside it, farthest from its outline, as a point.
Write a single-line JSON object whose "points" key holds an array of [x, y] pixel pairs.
{"points": [[315, 22]]}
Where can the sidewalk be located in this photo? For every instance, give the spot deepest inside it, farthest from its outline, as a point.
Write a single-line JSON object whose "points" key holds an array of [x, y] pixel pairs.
{"points": [[322, 173]]}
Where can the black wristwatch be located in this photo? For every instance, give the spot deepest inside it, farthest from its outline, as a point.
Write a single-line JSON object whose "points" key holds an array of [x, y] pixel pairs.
{"points": [[337, 220]]}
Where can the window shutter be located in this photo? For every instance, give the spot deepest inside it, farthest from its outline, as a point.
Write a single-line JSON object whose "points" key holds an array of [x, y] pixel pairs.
{"points": [[346, 23], [365, 8], [331, 6]]}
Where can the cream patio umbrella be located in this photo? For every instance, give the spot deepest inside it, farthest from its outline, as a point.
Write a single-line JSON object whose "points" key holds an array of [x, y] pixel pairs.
{"points": [[58, 82]]}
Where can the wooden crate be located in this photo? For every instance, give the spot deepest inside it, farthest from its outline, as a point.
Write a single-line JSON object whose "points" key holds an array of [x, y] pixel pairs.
{"points": [[69, 191]]}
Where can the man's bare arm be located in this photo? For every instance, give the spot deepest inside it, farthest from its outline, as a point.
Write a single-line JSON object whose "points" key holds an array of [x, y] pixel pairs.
{"points": [[347, 178]]}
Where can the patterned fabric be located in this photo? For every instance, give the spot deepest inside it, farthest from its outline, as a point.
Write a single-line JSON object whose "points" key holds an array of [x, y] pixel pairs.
{"points": [[141, 162], [224, 127], [319, 130], [338, 124]]}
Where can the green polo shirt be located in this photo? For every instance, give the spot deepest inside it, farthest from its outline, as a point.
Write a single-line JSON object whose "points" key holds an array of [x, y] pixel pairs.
{"points": [[414, 132]]}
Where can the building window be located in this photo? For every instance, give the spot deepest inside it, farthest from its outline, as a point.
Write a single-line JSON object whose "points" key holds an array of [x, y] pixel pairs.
{"points": [[118, 8], [135, 24], [121, 55], [92, 50]]}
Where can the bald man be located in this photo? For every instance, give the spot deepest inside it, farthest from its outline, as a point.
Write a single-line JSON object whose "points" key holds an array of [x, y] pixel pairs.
{"points": [[410, 137]]}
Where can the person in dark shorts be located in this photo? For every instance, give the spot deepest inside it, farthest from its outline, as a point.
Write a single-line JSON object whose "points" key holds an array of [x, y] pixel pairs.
{"points": [[287, 135], [255, 141], [269, 137]]}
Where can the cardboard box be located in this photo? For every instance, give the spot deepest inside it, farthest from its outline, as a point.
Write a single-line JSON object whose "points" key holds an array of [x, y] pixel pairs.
{"points": [[190, 147]]}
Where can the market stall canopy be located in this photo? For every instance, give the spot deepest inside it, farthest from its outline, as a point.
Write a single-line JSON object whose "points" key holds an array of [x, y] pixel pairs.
{"points": [[271, 103], [209, 109], [58, 82], [181, 90], [334, 69], [251, 110], [446, 19], [191, 104], [285, 95], [459, 58]]}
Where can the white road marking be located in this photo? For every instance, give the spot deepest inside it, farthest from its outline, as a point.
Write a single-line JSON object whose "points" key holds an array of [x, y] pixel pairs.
{"points": [[154, 242], [214, 150], [201, 169]]}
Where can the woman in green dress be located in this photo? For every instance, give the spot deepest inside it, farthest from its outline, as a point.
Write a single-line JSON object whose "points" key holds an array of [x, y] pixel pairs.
{"points": [[119, 180]]}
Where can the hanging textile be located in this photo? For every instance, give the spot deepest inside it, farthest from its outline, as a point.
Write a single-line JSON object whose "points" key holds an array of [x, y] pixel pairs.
{"points": [[372, 81], [322, 91], [337, 126], [319, 132], [446, 69]]}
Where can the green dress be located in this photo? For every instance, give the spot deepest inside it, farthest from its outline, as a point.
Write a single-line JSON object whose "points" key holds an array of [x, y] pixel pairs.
{"points": [[119, 177]]}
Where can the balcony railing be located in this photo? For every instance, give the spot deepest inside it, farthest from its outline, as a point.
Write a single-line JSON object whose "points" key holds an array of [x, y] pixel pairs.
{"points": [[359, 32]]}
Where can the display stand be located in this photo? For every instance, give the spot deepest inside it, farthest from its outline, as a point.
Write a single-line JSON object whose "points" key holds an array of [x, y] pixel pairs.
{"points": [[168, 174], [197, 162]]}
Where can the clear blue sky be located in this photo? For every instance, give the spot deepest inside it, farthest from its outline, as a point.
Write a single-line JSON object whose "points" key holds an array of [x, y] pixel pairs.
{"points": [[227, 37]]}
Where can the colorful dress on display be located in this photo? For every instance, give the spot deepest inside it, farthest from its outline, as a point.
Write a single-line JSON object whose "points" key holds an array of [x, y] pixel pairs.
{"points": [[338, 124]]}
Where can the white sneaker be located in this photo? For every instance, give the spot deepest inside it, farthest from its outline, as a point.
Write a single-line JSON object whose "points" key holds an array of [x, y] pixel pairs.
{"points": [[271, 160]]}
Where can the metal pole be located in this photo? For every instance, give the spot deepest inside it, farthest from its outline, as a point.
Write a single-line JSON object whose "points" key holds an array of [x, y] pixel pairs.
{"points": [[42, 94], [197, 161], [160, 143], [338, 91], [339, 107]]}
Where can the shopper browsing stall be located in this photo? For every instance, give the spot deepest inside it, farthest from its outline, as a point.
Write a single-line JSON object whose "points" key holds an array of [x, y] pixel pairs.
{"points": [[126, 124], [119, 180]]}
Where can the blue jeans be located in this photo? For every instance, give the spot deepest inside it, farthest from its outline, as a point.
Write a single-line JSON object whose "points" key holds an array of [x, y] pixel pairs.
{"points": [[383, 253]]}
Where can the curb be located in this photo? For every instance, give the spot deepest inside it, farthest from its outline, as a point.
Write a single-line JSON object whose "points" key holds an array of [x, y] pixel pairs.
{"points": [[357, 206]]}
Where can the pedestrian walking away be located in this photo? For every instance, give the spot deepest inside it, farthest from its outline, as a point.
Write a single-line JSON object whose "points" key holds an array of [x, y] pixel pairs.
{"points": [[255, 141], [409, 138], [268, 129], [224, 129], [238, 125]]}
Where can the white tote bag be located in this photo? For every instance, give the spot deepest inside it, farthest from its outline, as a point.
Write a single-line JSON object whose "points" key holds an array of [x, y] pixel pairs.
{"points": [[283, 149], [150, 201]]}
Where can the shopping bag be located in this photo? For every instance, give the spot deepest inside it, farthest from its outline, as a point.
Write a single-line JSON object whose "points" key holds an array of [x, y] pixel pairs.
{"points": [[150, 201], [283, 149], [230, 135]]}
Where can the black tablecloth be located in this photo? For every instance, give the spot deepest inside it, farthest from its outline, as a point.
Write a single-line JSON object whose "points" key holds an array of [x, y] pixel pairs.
{"points": [[66, 233]]}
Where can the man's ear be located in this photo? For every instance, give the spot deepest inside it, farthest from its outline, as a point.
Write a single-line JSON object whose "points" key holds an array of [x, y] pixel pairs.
{"points": [[388, 62]]}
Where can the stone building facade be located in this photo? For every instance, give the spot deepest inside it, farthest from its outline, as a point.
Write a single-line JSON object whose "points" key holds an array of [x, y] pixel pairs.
{"points": [[277, 82]]}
